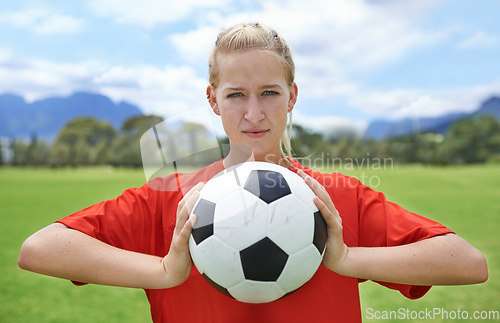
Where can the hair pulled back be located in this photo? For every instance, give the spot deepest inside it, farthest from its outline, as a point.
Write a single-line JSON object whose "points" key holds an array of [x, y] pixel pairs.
{"points": [[251, 36]]}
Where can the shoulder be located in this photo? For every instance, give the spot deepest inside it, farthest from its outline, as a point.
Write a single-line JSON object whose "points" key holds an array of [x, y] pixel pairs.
{"points": [[331, 181]]}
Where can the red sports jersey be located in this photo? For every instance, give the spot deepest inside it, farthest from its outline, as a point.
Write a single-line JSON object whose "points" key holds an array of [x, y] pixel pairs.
{"points": [[143, 219]]}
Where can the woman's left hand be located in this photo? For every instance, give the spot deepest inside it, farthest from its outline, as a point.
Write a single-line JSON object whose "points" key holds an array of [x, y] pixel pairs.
{"points": [[336, 250]]}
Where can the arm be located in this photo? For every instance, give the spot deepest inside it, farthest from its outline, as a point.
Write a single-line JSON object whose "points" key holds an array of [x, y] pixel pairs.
{"points": [[440, 260], [70, 254]]}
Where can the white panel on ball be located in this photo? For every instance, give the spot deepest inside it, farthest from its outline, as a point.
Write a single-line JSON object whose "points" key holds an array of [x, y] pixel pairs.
{"points": [[291, 218], [302, 191], [219, 261], [242, 221], [299, 268], [219, 187], [250, 291]]}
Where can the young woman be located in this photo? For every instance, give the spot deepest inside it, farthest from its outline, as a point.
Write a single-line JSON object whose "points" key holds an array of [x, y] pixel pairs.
{"points": [[140, 239]]}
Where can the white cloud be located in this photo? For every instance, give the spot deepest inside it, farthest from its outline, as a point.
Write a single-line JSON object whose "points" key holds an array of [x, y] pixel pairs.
{"points": [[148, 13], [331, 40], [329, 125], [413, 103], [164, 91], [335, 41], [479, 40], [398, 103], [5, 55], [42, 21], [35, 79], [59, 24], [194, 46]]}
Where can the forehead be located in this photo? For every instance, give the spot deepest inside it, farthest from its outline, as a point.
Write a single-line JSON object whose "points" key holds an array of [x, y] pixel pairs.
{"points": [[250, 67]]}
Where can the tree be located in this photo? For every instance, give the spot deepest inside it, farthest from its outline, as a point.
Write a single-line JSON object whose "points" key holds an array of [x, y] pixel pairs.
{"points": [[59, 154], [427, 147], [305, 142], [136, 126], [473, 140], [195, 136], [20, 152], [81, 138], [88, 129], [37, 153], [126, 150], [101, 153]]}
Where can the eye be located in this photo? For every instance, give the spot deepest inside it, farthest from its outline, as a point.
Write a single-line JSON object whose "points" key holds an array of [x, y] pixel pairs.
{"points": [[234, 95], [270, 93]]}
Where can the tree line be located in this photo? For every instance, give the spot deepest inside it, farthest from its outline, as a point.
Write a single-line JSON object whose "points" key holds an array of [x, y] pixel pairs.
{"points": [[470, 140], [87, 141]]}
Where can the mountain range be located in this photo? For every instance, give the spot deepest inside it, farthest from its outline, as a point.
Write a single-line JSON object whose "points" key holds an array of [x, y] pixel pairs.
{"points": [[384, 129], [45, 118]]}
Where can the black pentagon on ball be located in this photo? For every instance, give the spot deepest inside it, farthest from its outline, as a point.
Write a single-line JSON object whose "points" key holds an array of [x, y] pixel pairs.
{"points": [[204, 226], [263, 261], [267, 185], [320, 233]]}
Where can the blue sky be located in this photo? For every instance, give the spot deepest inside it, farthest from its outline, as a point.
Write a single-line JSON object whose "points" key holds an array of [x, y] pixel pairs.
{"points": [[356, 60]]}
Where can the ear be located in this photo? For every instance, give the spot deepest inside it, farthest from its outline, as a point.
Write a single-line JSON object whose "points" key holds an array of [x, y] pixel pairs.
{"points": [[212, 100], [294, 91]]}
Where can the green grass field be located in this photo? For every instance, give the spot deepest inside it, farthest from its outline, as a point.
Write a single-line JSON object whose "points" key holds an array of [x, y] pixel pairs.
{"points": [[466, 199]]}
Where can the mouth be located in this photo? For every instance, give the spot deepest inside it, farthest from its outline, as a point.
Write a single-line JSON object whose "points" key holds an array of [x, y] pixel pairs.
{"points": [[255, 132]]}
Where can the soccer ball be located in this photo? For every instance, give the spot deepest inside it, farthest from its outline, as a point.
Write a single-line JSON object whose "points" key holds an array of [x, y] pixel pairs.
{"points": [[258, 235]]}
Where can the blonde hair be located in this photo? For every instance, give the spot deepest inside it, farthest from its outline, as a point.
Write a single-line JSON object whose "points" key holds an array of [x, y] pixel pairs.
{"points": [[255, 36]]}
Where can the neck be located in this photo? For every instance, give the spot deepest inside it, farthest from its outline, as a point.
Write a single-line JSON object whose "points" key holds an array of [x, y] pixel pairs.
{"points": [[237, 156]]}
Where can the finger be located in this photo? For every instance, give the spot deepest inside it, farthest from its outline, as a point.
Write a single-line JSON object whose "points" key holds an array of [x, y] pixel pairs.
{"points": [[194, 189], [188, 227], [332, 218], [322, 196], [185, 210], [182, 240], [190, 202], [313, 184], [317, 188]]}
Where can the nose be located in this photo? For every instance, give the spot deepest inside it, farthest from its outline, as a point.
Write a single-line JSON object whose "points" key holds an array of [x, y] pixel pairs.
{"points": [[254, 110]]}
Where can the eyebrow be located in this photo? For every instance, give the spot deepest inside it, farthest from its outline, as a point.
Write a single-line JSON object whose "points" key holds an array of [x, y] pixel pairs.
{"points": [[263, 87], [270, 86], [233, 89]]}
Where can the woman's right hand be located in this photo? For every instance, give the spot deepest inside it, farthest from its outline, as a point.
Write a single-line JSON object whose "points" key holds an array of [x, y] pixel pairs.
{"points": [[177, 263]]}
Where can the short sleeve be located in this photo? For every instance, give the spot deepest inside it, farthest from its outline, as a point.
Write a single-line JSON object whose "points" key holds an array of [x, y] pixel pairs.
{"points": [[383, 224], [131, 221]]}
